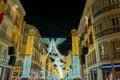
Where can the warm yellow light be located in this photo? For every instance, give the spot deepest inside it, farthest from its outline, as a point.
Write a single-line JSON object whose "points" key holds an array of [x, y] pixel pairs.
{"points": [[16, 6], [75, 46], [29, 46]]}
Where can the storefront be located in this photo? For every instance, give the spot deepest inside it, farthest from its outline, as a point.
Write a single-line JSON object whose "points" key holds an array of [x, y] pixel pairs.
{"points": [[107, 72], [94, 75], [1, 72], [7, 74]]}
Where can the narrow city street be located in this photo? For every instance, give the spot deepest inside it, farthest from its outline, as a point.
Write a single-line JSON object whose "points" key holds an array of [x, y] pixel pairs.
{"points": [[49, 40]]}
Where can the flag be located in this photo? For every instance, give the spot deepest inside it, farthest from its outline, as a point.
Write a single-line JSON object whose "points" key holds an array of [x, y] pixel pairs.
{"points": [[2, 9]]}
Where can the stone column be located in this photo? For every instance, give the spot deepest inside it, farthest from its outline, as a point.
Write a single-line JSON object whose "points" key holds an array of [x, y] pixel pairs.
{"points": [[110, 50], [113, 71], [99, 72]]}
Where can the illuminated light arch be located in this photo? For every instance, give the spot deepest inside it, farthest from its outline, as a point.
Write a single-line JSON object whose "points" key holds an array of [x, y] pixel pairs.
{"points": [[53, 51]]}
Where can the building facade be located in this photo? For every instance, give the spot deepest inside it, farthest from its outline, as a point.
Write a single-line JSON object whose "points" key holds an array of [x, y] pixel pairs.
{"points": [[99, 31], [37, 51], [10, 33]]}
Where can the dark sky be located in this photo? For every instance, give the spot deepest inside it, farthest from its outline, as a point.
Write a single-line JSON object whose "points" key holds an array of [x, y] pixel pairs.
{"points": [[54, 18]]}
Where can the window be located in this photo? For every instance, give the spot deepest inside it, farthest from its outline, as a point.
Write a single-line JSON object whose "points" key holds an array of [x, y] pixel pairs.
{"points": [[85, 29], [86, 42], [95, 29], [7, 12], [113, 1], [16, 21], [100, 27], [113, 22], [89, 21], [7, 73], [91, 38], [82, 37], [117, 21], [4, 27], [109, 2], [116, 45], [102, 50]]}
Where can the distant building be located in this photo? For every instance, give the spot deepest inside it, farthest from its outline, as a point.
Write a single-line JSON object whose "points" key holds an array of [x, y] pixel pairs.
{"points": [[37, 51], [99, 31]]}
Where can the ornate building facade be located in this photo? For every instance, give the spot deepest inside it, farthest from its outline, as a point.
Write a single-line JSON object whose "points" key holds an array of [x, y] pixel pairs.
{"points": [[11, 29], [37, 51], [99, 30]]}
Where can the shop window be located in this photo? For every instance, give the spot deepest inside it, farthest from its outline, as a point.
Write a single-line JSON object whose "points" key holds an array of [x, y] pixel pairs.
{"points": [[1, 70], [108, 75], [118, 74], [7, 72]]}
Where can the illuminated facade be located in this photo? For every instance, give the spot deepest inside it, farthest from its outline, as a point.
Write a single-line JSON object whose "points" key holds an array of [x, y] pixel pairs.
{"points": [[32, 49], [11, 29], [54, 68], [75, 55], [68, 66], [99, 30]]}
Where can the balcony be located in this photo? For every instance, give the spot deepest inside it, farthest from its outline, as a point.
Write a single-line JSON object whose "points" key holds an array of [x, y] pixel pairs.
{"points": [[105, 57], [116, 54]]}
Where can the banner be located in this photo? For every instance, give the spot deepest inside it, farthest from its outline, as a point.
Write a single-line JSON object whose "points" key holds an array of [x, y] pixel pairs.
{"points": [[29, 46], [75, 45], [2, 9]]}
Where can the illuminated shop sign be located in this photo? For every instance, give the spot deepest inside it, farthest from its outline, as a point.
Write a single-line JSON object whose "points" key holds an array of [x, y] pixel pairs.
{"points": [[94, 69], [109, 66]]}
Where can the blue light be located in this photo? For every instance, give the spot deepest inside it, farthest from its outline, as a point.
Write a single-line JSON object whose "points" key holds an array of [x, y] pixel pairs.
{"points": [[43, 73], [26, 67], [76, 67], [109, 66], [69, 74]]}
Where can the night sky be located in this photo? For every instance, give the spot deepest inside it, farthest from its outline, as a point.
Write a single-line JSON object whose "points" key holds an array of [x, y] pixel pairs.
{"points": [[54, 18]]}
